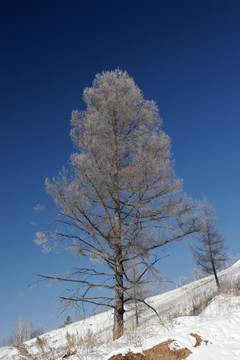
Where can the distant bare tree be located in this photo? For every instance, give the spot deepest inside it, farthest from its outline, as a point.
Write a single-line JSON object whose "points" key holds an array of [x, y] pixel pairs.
{"points": [[210, 253], [121, 200], [22, 331], [37, 331]]}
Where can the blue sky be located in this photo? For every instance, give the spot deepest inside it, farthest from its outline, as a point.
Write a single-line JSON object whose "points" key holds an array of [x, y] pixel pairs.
{"points": [[184, 54]]}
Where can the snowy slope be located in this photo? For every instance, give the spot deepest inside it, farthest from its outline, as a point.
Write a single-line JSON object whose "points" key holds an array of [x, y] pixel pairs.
{"points": [[90, 339]]}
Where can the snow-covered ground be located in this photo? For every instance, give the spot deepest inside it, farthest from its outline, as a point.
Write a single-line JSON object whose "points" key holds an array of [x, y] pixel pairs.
{"points": [[90, 339]]}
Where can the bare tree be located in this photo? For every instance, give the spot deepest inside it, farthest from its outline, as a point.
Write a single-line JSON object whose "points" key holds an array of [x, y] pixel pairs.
{"points": [[210, 253], [120, 200], [137, 291], [37, 331], [22, 331]]}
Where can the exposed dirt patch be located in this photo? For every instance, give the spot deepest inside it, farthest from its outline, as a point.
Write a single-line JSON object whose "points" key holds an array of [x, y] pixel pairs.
{"points": [[162, 351], [198, 339], [128, 356], [158, 352]]}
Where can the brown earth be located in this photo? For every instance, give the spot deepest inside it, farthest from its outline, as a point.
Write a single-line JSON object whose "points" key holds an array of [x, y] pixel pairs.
{"points": [[160, 352], [198, 339], [128, 356]]}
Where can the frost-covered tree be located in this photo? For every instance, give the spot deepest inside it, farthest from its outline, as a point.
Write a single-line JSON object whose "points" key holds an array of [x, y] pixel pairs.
{"points": [[137, 291], [22, 331], [120, 201], [210, 252]]}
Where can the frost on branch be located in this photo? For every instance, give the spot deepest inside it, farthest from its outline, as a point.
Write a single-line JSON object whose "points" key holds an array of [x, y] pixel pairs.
{"points": [[120, 200], [41, 238]]}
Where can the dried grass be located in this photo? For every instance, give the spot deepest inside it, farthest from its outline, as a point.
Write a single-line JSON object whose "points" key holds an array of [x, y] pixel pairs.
{"points": [[81, 345], [22, 350]]}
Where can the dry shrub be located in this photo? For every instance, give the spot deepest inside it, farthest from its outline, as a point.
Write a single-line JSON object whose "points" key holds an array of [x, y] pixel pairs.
{"points": [[41, 344], [161, 319], [131, 332], [72, 342], [81, 345], [230, 287], [199, 304], [92, 340], [22, 349], [227, 286], [44, 351]]}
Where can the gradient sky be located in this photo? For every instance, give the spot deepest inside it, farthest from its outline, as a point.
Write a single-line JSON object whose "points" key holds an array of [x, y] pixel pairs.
{"points": [[184, 54]]}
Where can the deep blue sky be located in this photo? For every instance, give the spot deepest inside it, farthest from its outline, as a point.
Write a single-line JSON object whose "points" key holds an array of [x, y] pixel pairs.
{"points": [[185, 55]]}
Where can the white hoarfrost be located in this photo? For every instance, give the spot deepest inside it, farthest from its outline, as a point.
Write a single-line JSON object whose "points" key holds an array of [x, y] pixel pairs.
{"points": [[91, 339]]}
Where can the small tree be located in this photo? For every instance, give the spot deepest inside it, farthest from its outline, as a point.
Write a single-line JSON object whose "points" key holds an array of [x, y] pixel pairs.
{"points": [[121, 200], [137, 291], [68, 321], [210, 253]]}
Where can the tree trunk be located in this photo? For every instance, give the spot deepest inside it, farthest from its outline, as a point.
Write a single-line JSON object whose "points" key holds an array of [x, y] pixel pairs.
{"points": [[212, 261], [215, 274], [136, 313], [118, 326]]}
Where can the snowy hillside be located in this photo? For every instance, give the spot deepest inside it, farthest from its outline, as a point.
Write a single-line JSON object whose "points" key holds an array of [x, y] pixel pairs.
{"points": [[212, 334]]}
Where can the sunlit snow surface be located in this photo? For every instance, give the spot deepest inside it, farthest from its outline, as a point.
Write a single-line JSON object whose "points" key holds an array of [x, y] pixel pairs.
{"points": [[218, 325]]}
